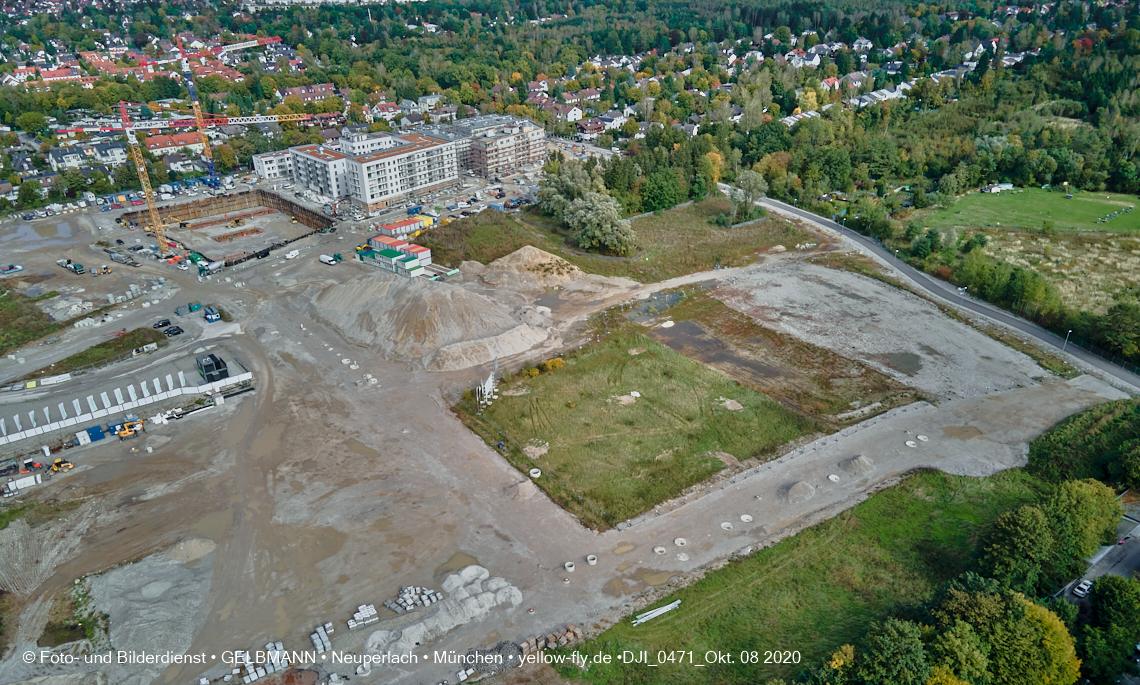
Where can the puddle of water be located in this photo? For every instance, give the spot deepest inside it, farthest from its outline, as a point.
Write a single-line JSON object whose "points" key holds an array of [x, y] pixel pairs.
{"points": [[651, 577], [42, 235], [552, 300], [458, 561], [962, 432], [653, 306], [214, 526], [309, 465], [624, 548], [903, 362], [360, 448]]}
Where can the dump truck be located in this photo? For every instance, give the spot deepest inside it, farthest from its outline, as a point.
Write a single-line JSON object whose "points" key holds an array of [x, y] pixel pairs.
{"points": [[73, 267]]}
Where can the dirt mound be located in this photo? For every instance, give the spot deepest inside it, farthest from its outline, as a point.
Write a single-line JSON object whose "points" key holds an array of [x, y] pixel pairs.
{"points": [[530, 269], [799, 492], [858, 465], [445, 326]]}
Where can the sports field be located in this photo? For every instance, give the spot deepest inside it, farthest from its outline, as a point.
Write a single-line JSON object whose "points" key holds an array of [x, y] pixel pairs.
{"points": [[1030, 208]]}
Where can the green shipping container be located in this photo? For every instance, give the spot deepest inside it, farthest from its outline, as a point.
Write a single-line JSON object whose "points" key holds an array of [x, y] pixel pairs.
{"points": [[195, 306]]}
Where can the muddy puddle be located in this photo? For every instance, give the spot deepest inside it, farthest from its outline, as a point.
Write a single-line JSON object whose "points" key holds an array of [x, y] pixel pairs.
{"points": [[457, 562], [693, 341], [44, 234], [357, 447], [639, 579], [653, 306]]}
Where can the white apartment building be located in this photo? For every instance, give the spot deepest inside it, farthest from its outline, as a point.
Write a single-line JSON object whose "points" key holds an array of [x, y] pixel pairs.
{"points": [[320, 169], [402, 167], [274, 164]]}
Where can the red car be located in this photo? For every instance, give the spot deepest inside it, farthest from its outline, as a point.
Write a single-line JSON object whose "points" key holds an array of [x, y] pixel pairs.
{"points": [[136, 202], [116, 206]]}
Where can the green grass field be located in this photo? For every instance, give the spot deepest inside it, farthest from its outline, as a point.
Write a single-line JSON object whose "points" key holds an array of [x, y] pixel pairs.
{"points": [[820, 589], [607, 460], [1031, 208]]}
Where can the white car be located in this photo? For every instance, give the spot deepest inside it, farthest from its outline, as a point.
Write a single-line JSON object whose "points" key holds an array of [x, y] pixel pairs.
{"points": [[292, 254], [1082, 589], [182, 267]]}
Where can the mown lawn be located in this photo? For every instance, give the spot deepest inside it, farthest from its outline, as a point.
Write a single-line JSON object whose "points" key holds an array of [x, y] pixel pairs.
{"points": [[821, 588], [1032, 207], [608, 461]]}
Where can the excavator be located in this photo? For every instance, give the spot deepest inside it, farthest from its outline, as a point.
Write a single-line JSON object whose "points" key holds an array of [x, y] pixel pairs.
{"points": [[237, 223], [130, 429], [61, 466]]}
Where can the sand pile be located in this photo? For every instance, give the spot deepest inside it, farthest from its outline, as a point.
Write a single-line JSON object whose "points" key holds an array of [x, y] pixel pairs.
{"points": [[412, 319], [529, 269], [470, 594], [532, 271]]}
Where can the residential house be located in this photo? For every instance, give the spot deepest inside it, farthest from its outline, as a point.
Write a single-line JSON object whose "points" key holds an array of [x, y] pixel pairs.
{"points": [[60, 160], [312, 93]]}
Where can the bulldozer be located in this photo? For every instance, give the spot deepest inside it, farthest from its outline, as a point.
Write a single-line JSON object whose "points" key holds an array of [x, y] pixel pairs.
{"points": [[130, 429], [61, 466]]}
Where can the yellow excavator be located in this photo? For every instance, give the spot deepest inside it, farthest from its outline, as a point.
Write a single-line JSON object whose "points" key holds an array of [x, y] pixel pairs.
{"points": [[61, 466], [237, 223], [130, 429]]}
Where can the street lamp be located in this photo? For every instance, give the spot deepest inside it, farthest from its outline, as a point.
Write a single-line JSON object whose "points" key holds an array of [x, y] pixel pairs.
{"points": [[1066, 340], [962, 293], [896, 254]]}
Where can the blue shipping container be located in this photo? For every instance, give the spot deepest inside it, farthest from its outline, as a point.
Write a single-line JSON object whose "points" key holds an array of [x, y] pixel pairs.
{"points": [[95, 433]]}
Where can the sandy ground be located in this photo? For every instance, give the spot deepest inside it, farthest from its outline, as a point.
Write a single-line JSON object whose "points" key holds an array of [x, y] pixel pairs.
{"points": [[320, 492]]}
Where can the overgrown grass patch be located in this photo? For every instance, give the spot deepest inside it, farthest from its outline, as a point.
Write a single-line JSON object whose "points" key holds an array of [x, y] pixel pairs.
{"points": [[482, 238], [821, 588], [102, 352], [611, 456], [683, 241], [21, 321]]}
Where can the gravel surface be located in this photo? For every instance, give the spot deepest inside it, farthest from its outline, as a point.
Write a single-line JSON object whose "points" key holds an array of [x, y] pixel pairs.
{"points": [[894, 331]]}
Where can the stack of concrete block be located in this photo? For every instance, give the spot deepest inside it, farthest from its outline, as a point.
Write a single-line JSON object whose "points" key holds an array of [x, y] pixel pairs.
{"points": [[559, 638], [412, 597], [364, 616], [278, 657], [320, 638]]}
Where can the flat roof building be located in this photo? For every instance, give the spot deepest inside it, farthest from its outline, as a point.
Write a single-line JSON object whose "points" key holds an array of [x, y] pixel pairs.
{"points": [[403, 167], [321, 169], [274, 164]]}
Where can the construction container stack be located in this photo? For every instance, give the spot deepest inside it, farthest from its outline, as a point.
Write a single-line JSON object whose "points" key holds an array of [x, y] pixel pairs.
{"points": [[364, 616], [320, 638]]}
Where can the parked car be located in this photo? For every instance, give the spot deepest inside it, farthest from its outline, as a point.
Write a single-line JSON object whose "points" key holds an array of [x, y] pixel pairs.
{"points": [[119, 241], [1082, 589], [162, 324], [116, 206], [173, 331], [136, 202]]}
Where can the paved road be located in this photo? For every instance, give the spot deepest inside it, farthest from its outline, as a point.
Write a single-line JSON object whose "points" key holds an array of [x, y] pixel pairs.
{"points": [[949, 293]]}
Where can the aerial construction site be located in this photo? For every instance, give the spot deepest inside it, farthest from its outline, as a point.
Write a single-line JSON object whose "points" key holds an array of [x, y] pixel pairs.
{"points": [[344, 472]]}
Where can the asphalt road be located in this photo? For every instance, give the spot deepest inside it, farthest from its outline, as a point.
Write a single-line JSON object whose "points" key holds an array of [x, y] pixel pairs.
{"points": [[950, 293]]}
